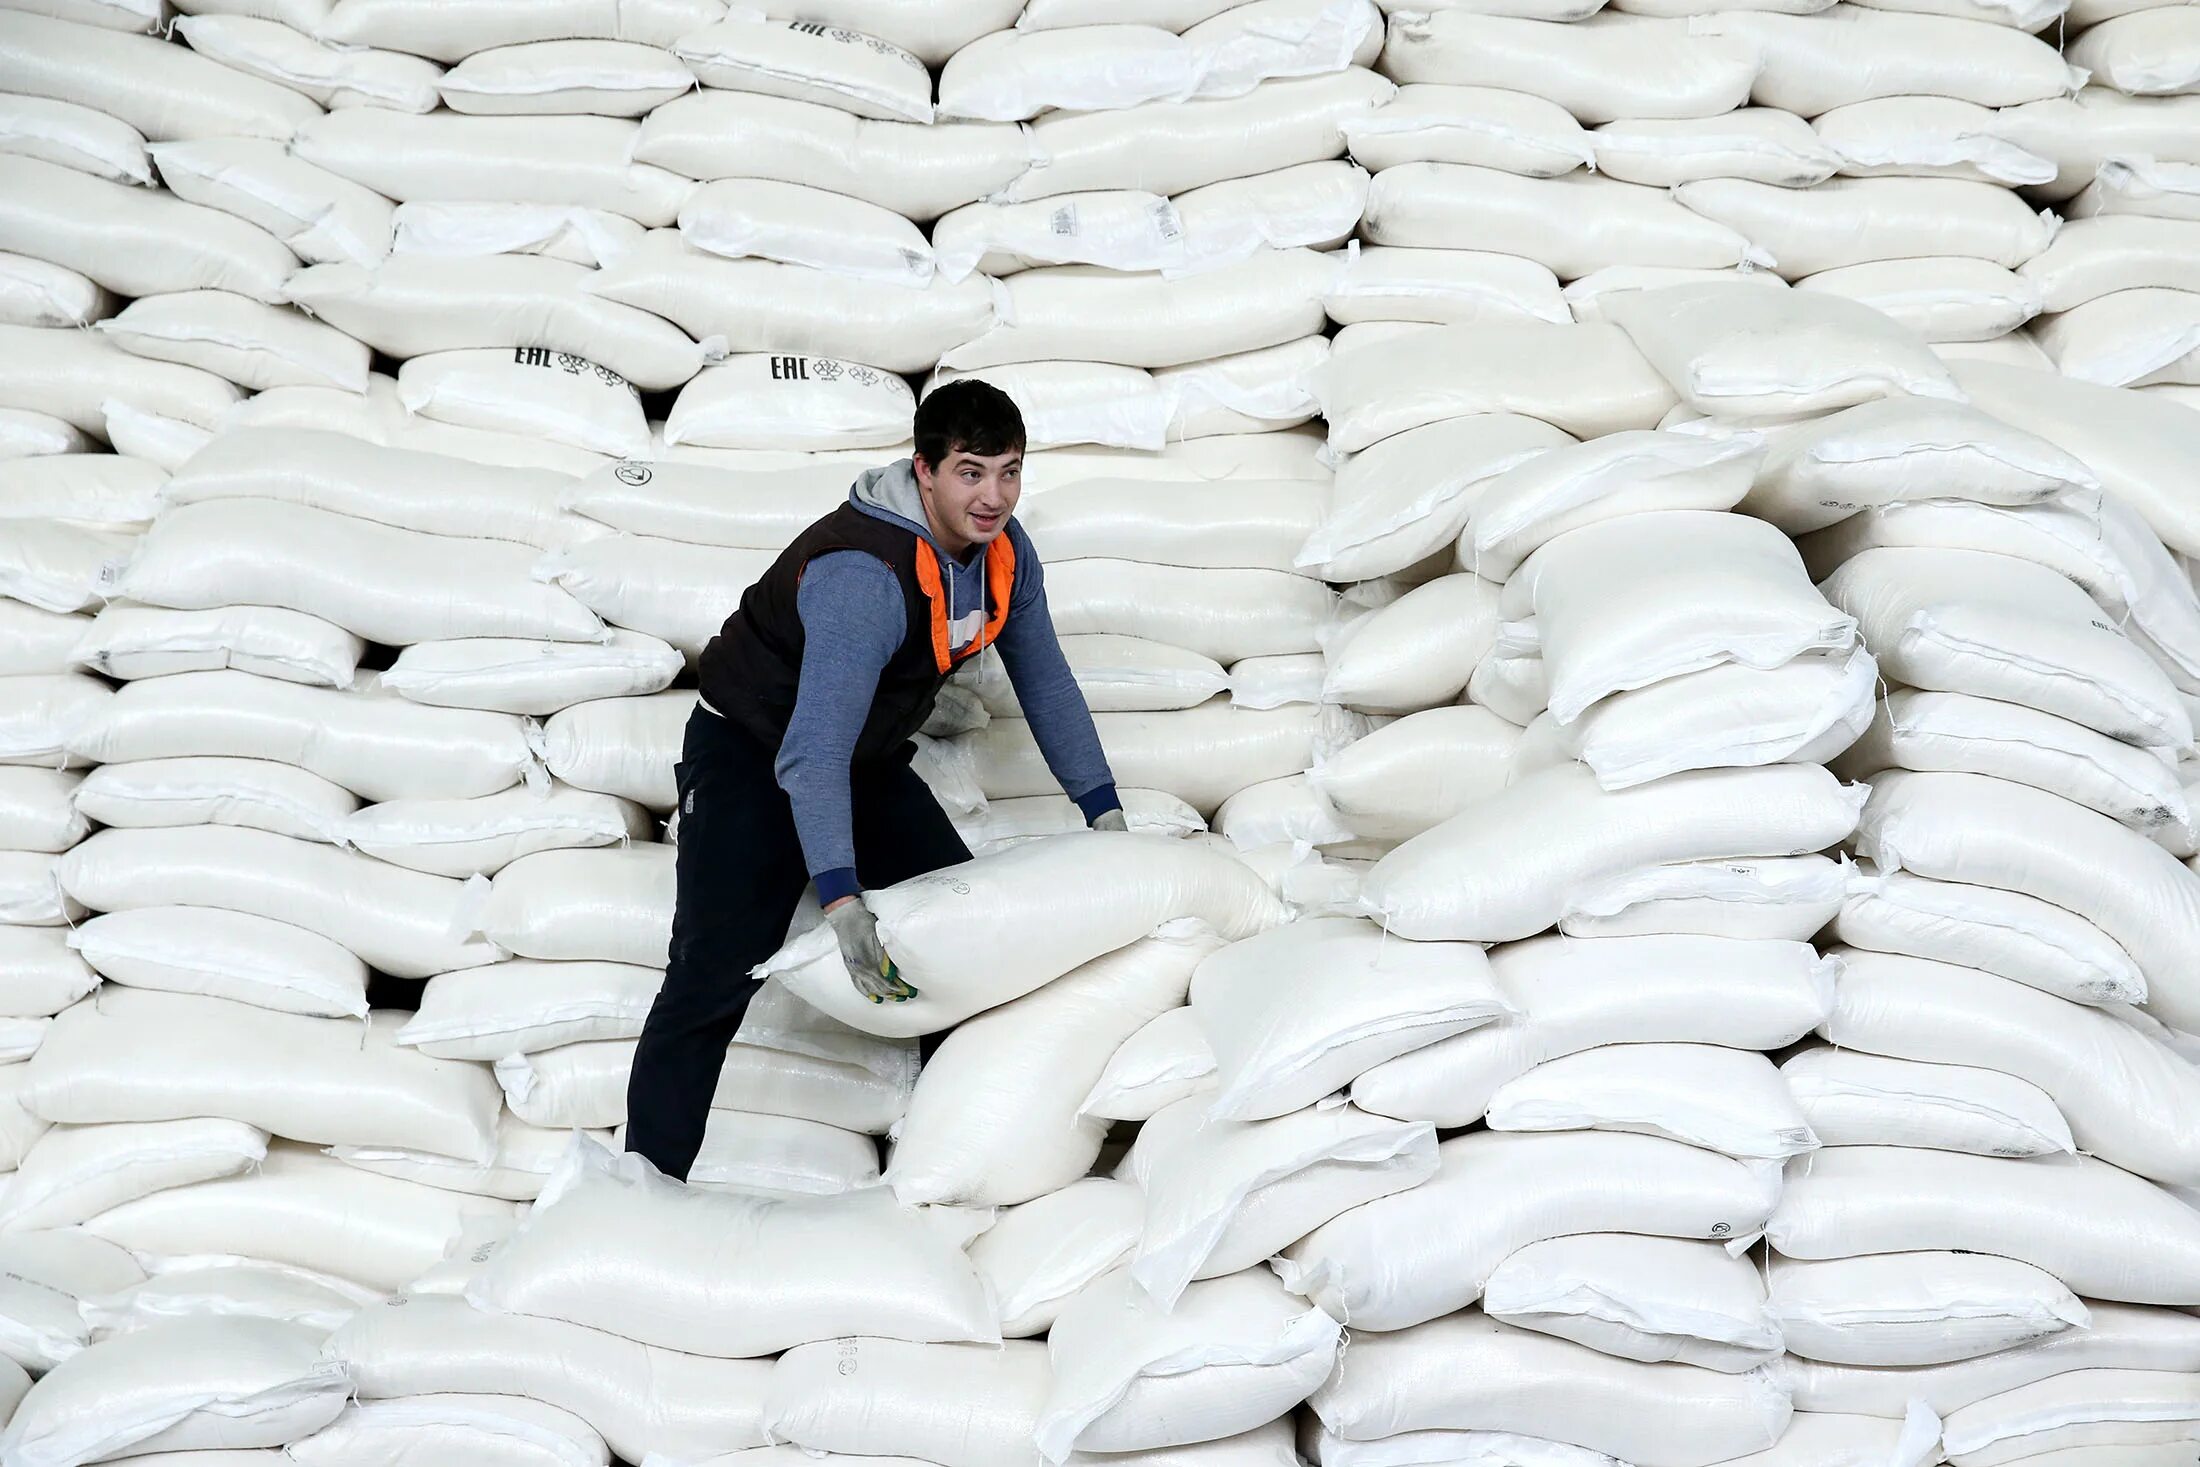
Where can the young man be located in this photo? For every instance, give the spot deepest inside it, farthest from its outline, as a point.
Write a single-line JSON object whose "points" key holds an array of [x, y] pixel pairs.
{"points": [[796, 764]]}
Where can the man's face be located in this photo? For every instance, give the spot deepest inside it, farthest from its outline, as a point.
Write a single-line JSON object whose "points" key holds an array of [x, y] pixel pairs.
{"points": [[970, 498]]}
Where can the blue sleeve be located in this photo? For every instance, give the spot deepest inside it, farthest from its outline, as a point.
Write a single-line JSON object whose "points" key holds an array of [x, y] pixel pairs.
{"points": [[1060, 722], [853, 620]]}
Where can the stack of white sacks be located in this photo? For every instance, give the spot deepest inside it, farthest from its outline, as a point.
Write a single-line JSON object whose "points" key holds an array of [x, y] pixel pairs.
{"points": [[466, 359]]}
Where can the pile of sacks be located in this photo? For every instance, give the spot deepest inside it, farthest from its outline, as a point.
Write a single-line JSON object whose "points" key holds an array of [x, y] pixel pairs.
{"points": [[1680, 795]]}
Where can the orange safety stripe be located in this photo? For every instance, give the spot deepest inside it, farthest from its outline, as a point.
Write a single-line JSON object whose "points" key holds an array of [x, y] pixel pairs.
{"points": [[1000, 579]]}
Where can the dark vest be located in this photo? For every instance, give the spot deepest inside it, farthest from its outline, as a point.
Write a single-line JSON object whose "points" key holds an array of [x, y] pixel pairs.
{"points": [[752, 669]]}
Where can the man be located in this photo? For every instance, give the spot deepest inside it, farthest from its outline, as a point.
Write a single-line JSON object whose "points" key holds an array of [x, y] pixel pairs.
{"points": [[796, 768]]}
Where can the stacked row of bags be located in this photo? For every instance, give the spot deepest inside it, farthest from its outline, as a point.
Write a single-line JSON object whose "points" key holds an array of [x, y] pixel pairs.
{"points": [[1604, 701], [396, 706]]}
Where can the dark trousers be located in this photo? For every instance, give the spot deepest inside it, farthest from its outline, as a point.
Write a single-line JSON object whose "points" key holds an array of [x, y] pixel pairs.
{"points": [[740, 876]]}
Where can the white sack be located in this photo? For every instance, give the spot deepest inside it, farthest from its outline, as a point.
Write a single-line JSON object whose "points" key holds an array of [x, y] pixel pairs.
{"points": [[1040, 1253], [609, 905], [1738, 352], [37, 810], [1644, 1299], [452, 33], [1470, 1381], [1926, 137], [791, 402], [2105, 1233], [1167, 1060], [1966, 621], [508, 675], [190, 1384], [1132, 885], [1131, 1376], [42, 717], [994, 1120], [307, 1210], [1587, 380], [525, 1005], [129, 642], [525, 1157], [220, 954], [411, 305], [641, 1398], [568, 232], [446, 156], [1601, 68], [377, 745], [135, 241], [1443, 288], [1813, 64], [1401, 499], [492, 1431], [163, 91], [481, 836], [1490, 874], [256, 794], [764, 306], [1989, 832], [1222, 1196], [1801, 712], [916, 171], [1856, 1099], [1417, 772], [1170, 147], [960, 1405], [623, 746], [1417, 652], [585, 1085], [1724, 1100], [1608, 478], [1575, 994], [1758, 143], [75, 136], [1954, 733], [1625, 603], [1298, 1013], [308, 1079], [373, 580], [2118, 1110], [1946, 299], [1852, 221], [399, 921], [331, 76], [554, 395], [1573, 225], [538, 78], [2121, 1337], [1903, 449], [889, 1273], [43, 977], [1921, 1308], [73, 375], [324, 219], [36, 293], [77, 1172], [808, 62], [1082, 313], [1419, 1254], [2129, 439]]}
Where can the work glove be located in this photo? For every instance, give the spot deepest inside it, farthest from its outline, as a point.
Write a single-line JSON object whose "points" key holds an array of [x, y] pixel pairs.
{"points": [[1113, 820], [869, 968]]}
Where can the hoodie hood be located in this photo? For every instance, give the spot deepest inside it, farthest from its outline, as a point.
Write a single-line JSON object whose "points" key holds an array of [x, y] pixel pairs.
{"points": [[889, 492]]}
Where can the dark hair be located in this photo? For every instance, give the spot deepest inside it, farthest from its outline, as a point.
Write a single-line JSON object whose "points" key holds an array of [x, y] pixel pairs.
{"points": [[967, 416]]}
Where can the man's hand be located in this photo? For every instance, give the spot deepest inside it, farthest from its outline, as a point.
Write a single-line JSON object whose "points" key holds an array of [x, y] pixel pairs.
{"points": [[869, 968], [1112, 820]]}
